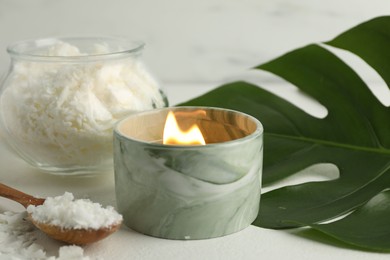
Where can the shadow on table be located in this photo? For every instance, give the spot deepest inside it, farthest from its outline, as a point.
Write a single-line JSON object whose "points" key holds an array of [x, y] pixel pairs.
{"points": [[317, 236]]}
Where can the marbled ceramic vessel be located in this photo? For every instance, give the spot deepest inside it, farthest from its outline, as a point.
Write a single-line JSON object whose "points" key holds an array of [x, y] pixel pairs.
{"points": [[189, 192]]}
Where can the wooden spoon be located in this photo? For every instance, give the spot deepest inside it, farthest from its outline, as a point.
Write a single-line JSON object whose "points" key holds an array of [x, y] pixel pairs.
{"points": [[70, 236]]}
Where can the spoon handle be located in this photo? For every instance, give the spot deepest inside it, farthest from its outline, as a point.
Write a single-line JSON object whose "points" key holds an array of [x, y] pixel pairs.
{"points": [[19, 196]]}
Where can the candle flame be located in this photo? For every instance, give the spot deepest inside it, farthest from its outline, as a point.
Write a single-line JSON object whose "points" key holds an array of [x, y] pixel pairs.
{"points": [[174, 135]]}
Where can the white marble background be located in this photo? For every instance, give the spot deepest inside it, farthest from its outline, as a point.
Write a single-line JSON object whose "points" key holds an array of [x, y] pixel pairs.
{"points": [[190, 41], [191, 45]]}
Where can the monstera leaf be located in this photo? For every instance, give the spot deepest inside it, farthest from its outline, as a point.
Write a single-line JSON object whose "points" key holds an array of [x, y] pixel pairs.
{"points": [[354, 136]]}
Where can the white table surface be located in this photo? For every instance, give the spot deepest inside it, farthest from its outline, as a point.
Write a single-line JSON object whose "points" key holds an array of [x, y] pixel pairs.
{"points": [[251, 243], [192, 44]]}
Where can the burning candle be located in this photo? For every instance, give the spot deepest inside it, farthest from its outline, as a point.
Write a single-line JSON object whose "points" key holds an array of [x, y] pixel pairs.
{"points": [[174, 135], [188, 172]]}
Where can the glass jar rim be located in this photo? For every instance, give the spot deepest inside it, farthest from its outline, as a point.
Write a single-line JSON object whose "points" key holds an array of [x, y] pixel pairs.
{"points": [[27, 49]]}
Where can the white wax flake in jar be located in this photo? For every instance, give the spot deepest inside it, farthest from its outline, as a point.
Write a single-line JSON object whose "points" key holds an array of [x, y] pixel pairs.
{"points": [[63, 211], [59, 104]]}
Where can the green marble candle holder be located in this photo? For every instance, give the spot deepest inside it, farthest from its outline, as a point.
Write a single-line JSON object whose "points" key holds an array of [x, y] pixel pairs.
{"points": [[189, 192]]}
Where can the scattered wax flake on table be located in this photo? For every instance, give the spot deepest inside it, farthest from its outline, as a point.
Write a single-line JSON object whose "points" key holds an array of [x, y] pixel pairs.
{"points": [[18, 241], [17, 237], [64, 211], [71, 253]]}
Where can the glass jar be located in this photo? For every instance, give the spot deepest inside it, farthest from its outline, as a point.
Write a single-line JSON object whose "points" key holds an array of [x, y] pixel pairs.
{"points": [[62, 96]]}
